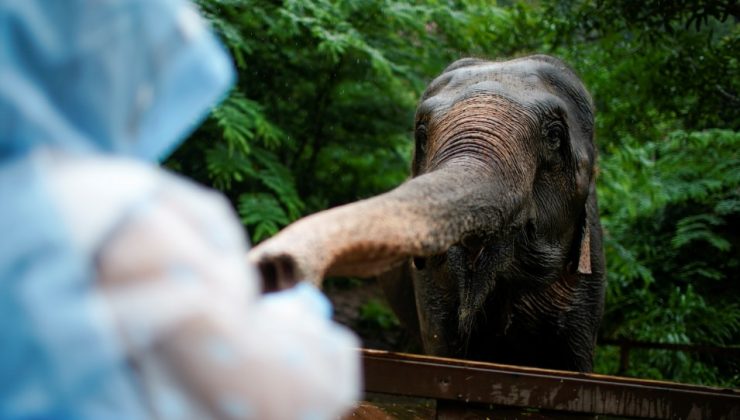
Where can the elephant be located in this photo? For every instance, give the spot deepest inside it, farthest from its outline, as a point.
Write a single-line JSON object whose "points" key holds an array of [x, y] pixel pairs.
{"points": [[494, 243]]}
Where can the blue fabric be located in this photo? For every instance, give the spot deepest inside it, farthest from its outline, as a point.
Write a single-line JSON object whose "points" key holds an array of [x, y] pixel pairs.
{"points": [[125, 77], [58, 358], [107, 76], [307, 296]]}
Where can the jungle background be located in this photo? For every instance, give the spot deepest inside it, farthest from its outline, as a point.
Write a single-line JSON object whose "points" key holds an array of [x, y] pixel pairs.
{"points": [[323, 115]]}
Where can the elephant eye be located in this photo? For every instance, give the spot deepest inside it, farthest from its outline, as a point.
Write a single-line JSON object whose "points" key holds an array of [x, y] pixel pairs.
{"points": [[420, 135], [554, 134]]}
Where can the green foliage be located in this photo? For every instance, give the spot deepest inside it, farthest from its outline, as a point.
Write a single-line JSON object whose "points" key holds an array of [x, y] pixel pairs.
{"points": [[648, 73], [375, 314], [241, 146], [323, 110], [670, 213]]}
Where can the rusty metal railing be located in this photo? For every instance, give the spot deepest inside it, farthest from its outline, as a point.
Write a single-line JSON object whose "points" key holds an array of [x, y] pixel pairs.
{"points": [[467, 389]]}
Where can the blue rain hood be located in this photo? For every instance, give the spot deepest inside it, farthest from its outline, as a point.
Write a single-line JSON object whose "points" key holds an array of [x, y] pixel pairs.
{"points": [[128, 77]]}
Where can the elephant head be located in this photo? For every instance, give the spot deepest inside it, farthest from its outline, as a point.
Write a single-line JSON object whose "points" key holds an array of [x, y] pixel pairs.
{"points": [[497, 229]]}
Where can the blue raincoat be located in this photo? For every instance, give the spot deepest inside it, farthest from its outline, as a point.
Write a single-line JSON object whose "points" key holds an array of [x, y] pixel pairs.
{"points": [[92, 80]]}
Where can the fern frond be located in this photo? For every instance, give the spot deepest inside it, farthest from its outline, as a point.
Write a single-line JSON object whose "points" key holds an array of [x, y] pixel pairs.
{"points": [[262, 213], [226, 167], [278, 178]]}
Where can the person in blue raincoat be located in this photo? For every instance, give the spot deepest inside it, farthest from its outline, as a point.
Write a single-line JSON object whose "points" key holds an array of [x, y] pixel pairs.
{"points": [[124, 290]]}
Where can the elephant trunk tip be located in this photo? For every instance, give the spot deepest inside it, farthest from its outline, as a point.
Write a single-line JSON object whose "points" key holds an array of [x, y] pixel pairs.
{"points": [[465, 321], [278, 273], [472, 298]]}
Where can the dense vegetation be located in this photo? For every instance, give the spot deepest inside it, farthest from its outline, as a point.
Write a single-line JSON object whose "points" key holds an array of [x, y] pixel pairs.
{"points": [[322, 115]]}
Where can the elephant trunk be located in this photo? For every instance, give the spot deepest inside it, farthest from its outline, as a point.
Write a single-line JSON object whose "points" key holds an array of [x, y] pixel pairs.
{"points": [[422, 217]]}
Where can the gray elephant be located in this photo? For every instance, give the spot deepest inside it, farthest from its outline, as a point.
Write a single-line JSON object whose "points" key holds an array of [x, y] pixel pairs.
{"points": [[495, 240]]}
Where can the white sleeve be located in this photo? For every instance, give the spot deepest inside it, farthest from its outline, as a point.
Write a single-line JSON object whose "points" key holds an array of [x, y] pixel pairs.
{"points": [[201, 338]]}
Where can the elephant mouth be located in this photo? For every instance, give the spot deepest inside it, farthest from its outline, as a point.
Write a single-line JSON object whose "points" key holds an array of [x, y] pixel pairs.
{"points": [[476, 264]]}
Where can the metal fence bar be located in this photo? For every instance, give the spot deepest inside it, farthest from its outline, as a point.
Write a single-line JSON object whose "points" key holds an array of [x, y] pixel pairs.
{"points": [[480, 384], [729, 351], [625, 347]]}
